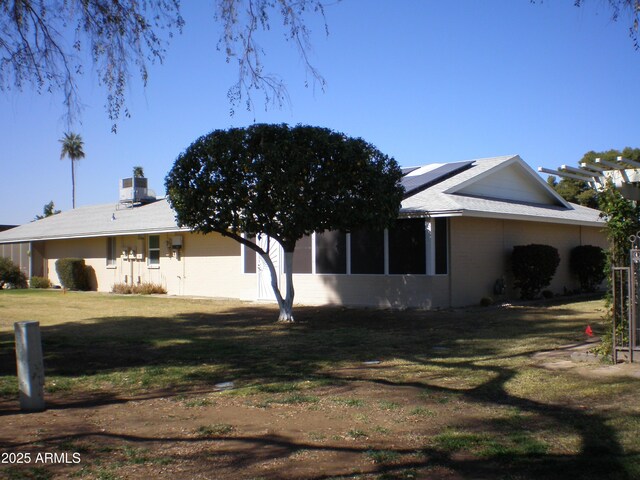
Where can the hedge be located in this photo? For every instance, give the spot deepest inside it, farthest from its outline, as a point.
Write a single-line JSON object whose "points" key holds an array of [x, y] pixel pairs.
{"points": [[11, 275], [39, 282], [72, 273], [588, 262], [533, 268]]}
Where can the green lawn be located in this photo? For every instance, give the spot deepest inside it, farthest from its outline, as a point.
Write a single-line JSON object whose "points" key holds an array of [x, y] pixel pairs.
{"points": [[453, 390]]}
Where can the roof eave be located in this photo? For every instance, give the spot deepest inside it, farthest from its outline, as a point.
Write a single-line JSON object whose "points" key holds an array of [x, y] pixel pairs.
{"points": [[428, 214], [94, 235], [501, 216], [534, 218]]}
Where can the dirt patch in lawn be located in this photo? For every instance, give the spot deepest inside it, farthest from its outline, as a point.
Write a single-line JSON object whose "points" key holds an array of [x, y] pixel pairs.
{"points": [[358, 429], [139, 388]]}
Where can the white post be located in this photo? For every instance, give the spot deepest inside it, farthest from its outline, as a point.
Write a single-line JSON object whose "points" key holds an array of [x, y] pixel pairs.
{"points": [[30, 365], [430, 245]]}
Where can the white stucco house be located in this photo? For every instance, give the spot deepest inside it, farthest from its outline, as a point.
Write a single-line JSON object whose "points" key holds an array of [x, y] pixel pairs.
{"points": [[457, 227]]}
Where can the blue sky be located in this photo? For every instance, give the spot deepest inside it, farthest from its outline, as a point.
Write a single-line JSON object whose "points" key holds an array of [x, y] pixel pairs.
{"points": [[425, 81]]}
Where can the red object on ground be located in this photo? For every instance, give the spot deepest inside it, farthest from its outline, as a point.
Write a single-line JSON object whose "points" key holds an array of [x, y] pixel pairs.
{"points": [[588, 331]]}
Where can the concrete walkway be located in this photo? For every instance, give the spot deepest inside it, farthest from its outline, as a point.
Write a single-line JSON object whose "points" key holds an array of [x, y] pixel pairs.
{"points": [[577, 357]]}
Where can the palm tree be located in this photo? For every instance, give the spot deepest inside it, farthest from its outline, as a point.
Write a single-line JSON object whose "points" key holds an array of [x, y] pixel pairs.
{"points": [[72, 147]]}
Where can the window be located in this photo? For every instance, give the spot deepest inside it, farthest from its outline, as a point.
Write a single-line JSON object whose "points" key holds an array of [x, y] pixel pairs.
{"points": [[111, 252], [442, 246], [367, 252], [154, 250], [249, 257], [302, 255], [407, 247], [331, 252]]}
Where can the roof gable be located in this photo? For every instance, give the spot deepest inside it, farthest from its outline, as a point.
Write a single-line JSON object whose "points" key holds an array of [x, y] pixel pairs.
{"points": [[513, 181]]}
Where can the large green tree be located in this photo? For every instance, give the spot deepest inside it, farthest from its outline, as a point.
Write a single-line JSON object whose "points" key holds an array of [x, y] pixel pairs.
{"points": [[73, 149], [574, 191], [46, 43], [582, 193], [284, 183]]}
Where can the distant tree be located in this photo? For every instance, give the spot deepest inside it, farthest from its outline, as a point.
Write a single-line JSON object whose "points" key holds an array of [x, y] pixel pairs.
{"points": [[138, 172], [42, 43], [582, 193], [574, 191], [47, 211], [612, 155], [73, 148], [283, 182]]}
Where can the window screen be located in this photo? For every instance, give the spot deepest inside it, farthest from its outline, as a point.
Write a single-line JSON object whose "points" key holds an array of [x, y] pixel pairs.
{"points": [[442, 246], [407, 247], [367, 252], [249, 257], [111, 251], [331, 252], [302, 255]]}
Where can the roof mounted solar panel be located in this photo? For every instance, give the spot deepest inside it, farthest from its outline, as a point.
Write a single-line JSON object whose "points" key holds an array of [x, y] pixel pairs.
{"points": [[407, 170], [414, 181]]}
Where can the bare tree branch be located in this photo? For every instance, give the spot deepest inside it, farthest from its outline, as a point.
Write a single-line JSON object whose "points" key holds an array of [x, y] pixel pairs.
{"points": [[242, 20], [43, 43]]}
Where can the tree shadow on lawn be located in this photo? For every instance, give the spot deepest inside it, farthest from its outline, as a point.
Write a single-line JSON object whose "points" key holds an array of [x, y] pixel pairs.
{"points": [[250, 345], [242, 453], [247, 346]]}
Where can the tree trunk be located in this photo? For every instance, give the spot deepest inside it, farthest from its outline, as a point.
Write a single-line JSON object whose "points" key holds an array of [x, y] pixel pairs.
{"points": [[286, 309], [274, 282], [73, 186], [284, 304]]}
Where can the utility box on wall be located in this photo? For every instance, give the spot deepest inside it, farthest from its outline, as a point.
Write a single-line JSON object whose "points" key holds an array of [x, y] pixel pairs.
{"points": [[176, 242]]}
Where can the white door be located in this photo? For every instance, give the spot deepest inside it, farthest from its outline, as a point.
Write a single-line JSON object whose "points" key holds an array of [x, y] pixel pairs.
{"points": [[265, 291]]}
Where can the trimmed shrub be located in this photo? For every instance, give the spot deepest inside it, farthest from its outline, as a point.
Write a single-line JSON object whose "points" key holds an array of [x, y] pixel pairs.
{"points": [[121, 288], [11, 275], [72, 273], [533, 268], [146, 288], [39, 282], [149, 289], [588, 263], [486, 301]]}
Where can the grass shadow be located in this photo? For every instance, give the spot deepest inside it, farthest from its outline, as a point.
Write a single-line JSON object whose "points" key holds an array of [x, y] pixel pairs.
{"points": [[474, 355]]}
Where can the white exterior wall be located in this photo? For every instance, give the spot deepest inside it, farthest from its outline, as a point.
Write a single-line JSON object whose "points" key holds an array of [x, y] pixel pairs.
{"points": [[481, 248], [207, 265], [211, 266], [421, 291], [91, 249]]}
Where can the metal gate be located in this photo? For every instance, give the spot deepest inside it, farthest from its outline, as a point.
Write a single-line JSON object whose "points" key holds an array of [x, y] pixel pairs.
{"points": [[626, 306]]}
